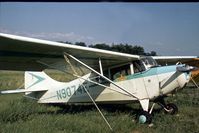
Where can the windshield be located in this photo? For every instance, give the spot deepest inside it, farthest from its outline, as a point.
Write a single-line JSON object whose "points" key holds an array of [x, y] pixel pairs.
{"points": [[149, 62]]}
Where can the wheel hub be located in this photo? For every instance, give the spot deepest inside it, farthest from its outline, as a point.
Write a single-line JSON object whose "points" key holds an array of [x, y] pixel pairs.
{"points": [[142, 119]]}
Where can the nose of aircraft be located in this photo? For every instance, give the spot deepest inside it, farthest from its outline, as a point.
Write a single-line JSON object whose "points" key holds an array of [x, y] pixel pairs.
{"points": [[185, 75], [186, 68]]}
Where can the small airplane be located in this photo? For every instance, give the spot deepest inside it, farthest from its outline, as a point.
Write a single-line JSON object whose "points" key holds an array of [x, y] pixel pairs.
{"points": [[101, 76]]}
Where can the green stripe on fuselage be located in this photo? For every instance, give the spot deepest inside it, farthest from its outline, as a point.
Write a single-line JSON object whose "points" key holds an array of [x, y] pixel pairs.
{"points": [[152, 71]]}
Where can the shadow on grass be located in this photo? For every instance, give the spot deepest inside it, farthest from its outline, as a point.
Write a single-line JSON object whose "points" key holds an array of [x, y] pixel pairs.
{"points": [[112, 109], [23, 109]]}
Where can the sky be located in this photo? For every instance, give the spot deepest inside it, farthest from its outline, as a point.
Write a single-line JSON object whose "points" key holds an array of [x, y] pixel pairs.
{"points": [[167, 28]]}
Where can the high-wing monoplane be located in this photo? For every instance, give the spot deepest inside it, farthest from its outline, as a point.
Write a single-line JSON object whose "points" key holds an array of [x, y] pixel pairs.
{"points": [[101, 76]]}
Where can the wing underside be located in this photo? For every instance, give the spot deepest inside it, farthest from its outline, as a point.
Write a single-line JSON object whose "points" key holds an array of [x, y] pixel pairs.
{"points": [[26, 54], [29, 54]]}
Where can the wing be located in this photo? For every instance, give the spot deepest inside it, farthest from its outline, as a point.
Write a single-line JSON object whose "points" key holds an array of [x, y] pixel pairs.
{"points": [[168, 60], [26, 54]]}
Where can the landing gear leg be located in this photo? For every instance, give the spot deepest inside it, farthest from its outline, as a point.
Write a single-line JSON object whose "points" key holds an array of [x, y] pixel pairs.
{"points": [[144, 116], [169, 108]]}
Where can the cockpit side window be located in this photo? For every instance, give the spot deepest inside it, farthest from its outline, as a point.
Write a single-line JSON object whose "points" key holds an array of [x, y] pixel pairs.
{"points": [[121, 71], [138, 66]]}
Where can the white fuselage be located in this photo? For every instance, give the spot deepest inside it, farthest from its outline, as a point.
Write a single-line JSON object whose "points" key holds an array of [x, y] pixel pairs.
{"points": [[149, 84]]}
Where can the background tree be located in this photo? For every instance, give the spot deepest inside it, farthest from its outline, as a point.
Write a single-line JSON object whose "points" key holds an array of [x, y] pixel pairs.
{"points": [[101, 46], [123, 48], [152, 53], [66, 42], [80, 44]]}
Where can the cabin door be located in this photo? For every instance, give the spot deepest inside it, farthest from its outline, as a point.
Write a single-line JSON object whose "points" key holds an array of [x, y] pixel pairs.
{"points": [[151, 85]]}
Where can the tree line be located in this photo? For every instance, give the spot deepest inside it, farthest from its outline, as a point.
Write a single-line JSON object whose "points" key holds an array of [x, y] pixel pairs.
{"points": [[124, 48]]}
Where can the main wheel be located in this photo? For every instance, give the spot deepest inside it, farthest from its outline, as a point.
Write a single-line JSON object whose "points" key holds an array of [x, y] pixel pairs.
{"points": [[171, 108], [145, 118]]}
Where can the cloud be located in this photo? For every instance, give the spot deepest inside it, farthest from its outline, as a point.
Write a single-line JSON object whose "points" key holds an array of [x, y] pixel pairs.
{"points": [[159, 44], [53, 36]]}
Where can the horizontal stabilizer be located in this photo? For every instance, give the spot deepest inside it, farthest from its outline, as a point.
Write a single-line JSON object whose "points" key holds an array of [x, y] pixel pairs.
{"points": [[20, 91]]}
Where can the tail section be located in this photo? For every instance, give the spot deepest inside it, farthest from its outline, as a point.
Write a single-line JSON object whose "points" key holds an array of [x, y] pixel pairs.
{"points": [[40, 86], [35, 82], [39, 81]]}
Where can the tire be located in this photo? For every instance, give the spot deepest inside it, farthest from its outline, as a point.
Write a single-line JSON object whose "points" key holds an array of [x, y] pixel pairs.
{"points": [[173, 109], [145, 118]]}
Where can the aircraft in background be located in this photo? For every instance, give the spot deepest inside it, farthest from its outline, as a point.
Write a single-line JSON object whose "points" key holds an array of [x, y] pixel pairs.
{"points": [[101, 76]]}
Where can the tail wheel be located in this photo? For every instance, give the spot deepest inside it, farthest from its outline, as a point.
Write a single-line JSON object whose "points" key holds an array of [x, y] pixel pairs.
{"points": [[171, 108], [145, 118]]}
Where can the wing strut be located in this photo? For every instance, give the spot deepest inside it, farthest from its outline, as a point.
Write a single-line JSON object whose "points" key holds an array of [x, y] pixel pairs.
{"points": [[121, 88], [194, 83], [75, 72], [100, 65], [75, 75]]}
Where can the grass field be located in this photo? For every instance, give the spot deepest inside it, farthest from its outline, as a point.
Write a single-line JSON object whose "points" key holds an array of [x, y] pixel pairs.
{"points": [[21, 115]]}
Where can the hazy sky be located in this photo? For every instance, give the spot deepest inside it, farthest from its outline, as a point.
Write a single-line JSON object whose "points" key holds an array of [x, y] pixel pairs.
{"points": [[167, 28]]}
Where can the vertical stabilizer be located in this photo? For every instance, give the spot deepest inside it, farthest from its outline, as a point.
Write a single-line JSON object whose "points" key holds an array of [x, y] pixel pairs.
{"points": [[39, 81]]}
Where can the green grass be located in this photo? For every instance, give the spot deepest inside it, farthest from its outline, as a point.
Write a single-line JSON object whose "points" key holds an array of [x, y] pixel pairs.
{"points": [[21, 115]]}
